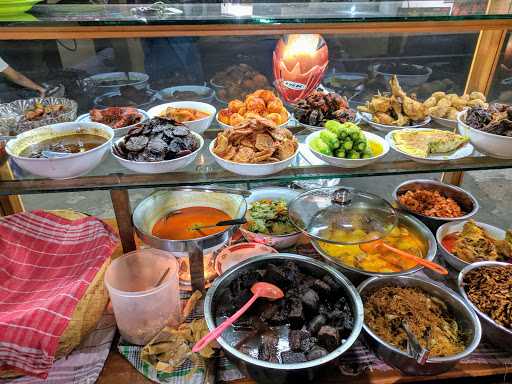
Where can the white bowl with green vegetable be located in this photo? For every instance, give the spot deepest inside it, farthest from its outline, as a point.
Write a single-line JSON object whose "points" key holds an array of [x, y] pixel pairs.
{"points": [[346, 145], [267, 218]]}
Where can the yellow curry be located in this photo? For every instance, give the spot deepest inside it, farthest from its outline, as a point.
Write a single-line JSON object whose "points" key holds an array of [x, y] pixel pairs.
{"points": [[383, 261]]}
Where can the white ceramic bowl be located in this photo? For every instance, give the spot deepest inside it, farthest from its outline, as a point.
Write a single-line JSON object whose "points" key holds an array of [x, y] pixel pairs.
{"points": [[349, 163], [166, 94], [486, 143], [456, 226], [160, 166], [250, 169], [118, 132], [226, 126], [73, 165], [275, 241], [367, 118], [461, 152], [198, 126]]}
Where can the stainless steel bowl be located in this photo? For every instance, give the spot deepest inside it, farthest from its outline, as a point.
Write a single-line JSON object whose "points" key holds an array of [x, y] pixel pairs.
{"points": [[263, 371], [495, 333], [466, 201], [160, 203], [357, 275], [466, 319], [456, 226]]}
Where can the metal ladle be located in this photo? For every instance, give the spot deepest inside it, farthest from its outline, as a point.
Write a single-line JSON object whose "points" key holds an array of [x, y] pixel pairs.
{"points": [[414, 348]]}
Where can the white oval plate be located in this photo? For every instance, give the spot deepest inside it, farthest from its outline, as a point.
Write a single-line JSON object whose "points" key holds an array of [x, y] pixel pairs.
{"points": [[367, 118], [464, 151]]}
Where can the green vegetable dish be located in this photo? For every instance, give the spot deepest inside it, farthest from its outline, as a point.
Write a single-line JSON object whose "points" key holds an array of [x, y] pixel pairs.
{"points": [[345, 140], [269, 217]]}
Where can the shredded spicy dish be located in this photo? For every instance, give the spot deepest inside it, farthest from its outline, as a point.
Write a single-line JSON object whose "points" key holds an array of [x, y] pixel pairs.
{"points": [[490, 289], [430, 203], [387, 309]]}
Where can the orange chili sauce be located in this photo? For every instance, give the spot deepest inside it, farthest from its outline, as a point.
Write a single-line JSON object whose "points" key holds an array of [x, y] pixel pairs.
{"points": [[449, 240], [180, 226]]}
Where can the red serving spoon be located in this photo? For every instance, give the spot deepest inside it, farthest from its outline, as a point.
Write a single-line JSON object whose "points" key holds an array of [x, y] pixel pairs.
{"points": [[376, 245], [261, 289]]}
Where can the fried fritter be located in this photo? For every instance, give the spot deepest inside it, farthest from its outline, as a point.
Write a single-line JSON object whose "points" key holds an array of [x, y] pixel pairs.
{"points": [[256, 140]]}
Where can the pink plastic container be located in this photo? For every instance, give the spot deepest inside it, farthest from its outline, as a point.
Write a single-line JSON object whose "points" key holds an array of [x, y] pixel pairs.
{"points": [[140, 308]]}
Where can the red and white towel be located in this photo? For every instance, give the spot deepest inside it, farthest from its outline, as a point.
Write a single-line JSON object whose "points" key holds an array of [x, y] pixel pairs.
{"points": [[46, 265]]}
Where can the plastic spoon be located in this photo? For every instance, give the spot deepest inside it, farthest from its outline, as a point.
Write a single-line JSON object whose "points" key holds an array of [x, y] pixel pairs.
{"points": [[373, 247], [266, 290]]}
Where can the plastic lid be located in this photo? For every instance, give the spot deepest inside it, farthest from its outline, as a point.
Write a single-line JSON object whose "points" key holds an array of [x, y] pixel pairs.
{"points": [[332, 214]]}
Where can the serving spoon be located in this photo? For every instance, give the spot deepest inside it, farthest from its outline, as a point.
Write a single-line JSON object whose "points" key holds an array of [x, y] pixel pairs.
{"points": [[224, 223], [260, 289], [414, 348], [379, 245]]}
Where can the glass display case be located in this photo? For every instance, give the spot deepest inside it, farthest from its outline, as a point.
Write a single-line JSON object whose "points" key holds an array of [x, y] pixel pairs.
{"points": [[93, 56]]}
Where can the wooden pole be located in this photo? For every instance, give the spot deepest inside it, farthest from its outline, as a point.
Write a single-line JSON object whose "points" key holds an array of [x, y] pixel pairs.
{"points": [[123, 212]]}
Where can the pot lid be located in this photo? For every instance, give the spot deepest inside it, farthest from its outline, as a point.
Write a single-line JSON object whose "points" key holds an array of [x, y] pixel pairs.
{"points": [[342, 215]]}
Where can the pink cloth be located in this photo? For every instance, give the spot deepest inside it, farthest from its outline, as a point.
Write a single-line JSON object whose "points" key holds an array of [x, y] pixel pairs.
{"points": [[46, 265]]}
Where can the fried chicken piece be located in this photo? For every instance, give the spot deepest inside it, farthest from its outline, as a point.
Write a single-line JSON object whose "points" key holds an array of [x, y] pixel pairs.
{"points": [[396, 90], [414, 109], [396, 105], [383, 118], [380, 104]]}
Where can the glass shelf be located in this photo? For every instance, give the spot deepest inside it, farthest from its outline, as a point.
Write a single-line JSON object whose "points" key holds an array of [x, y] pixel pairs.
{"points": [[111, 175], [262, 13]]}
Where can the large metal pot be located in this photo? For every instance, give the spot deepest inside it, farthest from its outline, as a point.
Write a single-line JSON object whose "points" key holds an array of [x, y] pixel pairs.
{"points": [[497, 334], [160, 203], [466, 319], [263, 371], [466, 201], [357, 275]]}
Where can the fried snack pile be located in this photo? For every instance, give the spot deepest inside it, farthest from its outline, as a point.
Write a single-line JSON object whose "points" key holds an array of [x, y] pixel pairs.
{"points": [[428, 318], [257, 140], [398, 109], [171, 347], [262, 103], [447, 106], [430, 203], [490, 289]]}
